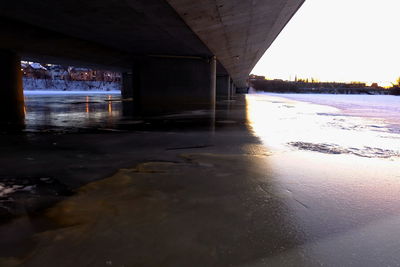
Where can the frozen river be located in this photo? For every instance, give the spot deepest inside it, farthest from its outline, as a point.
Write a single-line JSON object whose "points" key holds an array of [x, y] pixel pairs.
{"points": [[278, 180], [336, 162], [47, 110], [362, 125], [385, 107]]}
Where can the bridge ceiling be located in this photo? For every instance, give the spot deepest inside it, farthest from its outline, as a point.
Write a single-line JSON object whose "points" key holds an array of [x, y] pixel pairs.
{"points": [[138, 27], [238, 32]]}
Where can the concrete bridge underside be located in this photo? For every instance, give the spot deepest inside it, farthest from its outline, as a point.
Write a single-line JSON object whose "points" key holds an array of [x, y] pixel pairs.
{"points": [[176, 48]]}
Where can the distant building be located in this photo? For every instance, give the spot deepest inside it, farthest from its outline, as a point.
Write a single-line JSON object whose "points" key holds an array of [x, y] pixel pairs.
{"points": [[34, 70], [106, 76], [375, 85], [80, 74], [57, 72], [85, 74]]}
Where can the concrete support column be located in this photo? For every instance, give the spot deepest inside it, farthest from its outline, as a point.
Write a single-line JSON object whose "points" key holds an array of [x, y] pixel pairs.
{"points": [[11, 89], [224, 87], [164, 84], [127, 86], [213, 81], [233, 89], [127, 93]]}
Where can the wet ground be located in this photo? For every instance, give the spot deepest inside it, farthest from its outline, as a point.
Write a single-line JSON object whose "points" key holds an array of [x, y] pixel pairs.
{"points": [[253, 183]]}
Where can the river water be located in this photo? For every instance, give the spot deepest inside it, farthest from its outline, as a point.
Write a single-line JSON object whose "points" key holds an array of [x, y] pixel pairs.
{"points": [[52, 110]]}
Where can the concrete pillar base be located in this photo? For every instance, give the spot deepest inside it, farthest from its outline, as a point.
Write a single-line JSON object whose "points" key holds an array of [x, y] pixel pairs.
{"points": [[11, 90]]}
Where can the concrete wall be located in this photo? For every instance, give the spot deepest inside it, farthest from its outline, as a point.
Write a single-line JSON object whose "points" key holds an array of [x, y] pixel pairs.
{"points": [[11, 92], [167, 85], [223, 87]]}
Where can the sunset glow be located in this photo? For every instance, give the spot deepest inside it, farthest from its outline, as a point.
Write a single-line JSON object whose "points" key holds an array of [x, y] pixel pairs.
{"points": [[341, 40]]}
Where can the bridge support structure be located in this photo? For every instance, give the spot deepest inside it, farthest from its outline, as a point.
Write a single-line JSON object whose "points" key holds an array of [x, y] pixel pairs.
{"points": [[169, 84], [11, 90], [233, 89], [224, 89]]}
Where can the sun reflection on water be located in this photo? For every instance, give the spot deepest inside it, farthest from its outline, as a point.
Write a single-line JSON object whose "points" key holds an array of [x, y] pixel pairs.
{"points": [[291, 124]]}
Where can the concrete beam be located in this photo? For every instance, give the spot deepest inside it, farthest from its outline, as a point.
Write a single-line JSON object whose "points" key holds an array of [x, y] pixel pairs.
{"points": [[39, 44], [11, 90], [78, 29]]}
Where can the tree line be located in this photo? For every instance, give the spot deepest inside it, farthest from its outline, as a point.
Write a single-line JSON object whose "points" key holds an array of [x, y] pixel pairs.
{"points": [[313, 86]]}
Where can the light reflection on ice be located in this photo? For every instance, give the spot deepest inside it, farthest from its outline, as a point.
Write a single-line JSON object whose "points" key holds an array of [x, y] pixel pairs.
{"points": [[281, 122], [71, 109], [339, 173]]}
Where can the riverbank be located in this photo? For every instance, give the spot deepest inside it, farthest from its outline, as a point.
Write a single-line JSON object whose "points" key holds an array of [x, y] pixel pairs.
{"points": [[261, 84]]}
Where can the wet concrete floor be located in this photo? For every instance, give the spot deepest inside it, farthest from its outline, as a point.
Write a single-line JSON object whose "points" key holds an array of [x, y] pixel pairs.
{"points": [[189, 189]]}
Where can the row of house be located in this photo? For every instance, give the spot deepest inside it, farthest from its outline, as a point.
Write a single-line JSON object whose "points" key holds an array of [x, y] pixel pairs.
{"points": [[57, 72]]}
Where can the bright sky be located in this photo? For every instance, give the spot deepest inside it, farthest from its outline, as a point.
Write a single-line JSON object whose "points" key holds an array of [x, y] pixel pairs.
{"points": [[338, 40]]}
